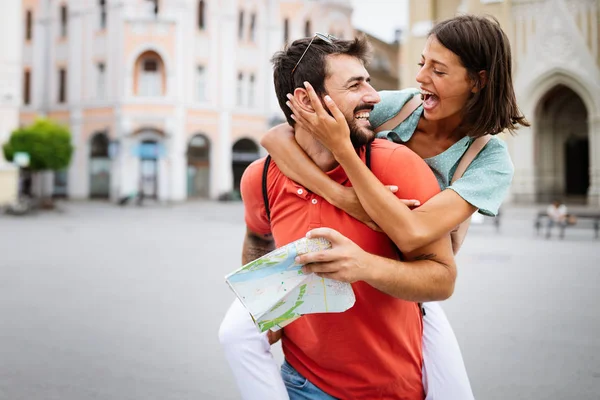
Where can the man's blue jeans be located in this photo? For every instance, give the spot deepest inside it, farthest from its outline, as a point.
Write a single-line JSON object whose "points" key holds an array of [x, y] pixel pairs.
{"points": [[298, 387]]}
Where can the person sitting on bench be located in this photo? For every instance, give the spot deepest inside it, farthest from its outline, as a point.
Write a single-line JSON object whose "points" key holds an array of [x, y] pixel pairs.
{"points": [[557, 215]]}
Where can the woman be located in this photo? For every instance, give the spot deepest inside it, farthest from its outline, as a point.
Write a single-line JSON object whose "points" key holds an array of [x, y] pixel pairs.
{"points": [[466, 86]]}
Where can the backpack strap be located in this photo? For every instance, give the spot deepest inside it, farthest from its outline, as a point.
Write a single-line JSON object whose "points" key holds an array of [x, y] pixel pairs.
{"points": [[458, 234], [472, 152], [406, 110], [264, 186]]}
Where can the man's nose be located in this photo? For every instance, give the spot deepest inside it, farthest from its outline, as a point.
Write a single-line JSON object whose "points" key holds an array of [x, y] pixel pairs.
{"points": [[371, 97]]}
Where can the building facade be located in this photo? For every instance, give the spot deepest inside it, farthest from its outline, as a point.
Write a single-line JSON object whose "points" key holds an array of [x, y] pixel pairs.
{"points": [[384, 67], [10, 94], [10, 70], [164, 97], [557, 83]]}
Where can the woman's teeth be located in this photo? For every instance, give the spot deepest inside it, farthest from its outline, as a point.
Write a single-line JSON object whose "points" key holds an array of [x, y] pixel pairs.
{"points": [[425, 95]]}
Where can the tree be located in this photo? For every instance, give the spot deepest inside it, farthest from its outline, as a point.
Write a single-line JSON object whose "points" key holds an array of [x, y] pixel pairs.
{"points": [[47, 142]]}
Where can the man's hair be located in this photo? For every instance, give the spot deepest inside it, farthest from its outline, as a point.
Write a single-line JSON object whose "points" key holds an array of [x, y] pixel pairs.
{"points": [[482, 45], [313, 67]]}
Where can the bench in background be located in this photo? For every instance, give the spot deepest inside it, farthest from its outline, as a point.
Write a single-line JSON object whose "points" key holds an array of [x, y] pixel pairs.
{"points": [[584, 220]]}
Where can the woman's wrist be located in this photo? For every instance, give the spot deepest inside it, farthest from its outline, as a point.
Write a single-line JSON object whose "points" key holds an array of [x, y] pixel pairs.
{"points": [[335, 194], [344, 152]]}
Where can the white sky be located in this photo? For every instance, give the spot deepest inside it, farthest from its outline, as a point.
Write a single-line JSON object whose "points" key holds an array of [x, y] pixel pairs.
{"points": [[380, 18]]}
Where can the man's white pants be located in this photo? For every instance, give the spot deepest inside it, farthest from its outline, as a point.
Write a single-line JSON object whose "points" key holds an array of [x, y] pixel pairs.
{"points": [[258, 375]]}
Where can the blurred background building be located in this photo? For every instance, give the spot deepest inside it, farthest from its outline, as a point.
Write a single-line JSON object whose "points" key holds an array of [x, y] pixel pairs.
{"points": [[170, 97], [384, 67], [10, 93], [10, 69], [557, 82]]}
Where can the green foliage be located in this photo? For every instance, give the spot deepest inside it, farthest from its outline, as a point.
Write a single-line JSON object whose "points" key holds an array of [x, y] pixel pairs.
{"points": [[47, 143]]}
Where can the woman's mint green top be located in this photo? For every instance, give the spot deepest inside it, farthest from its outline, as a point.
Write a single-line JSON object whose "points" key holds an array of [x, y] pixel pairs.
{"points": [[486, 181]]}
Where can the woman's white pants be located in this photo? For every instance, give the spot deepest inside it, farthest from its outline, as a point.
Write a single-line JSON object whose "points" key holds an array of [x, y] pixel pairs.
{"points": [[258, 376]]}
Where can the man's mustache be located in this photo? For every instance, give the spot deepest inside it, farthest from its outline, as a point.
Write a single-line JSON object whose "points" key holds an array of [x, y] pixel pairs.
{"points": [[364, 106]]}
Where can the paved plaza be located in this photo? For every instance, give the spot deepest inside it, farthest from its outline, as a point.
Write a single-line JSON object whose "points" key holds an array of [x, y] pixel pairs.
{"points": [[105, 302]]}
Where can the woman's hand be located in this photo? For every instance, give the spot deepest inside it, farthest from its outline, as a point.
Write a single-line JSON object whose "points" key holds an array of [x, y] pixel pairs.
{"points": [[332, 131], [348, 202]]}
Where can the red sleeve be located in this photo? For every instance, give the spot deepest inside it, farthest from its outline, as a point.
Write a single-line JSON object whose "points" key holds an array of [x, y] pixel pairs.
{"points": [[255, 213], [405, 169]]}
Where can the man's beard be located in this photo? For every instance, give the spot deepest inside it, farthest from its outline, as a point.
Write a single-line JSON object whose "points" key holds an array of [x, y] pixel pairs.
{"points": [[360, 136]]}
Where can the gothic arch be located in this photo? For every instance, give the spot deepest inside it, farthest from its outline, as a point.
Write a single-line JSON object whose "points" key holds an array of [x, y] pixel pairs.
{"points": [[533, 93]]}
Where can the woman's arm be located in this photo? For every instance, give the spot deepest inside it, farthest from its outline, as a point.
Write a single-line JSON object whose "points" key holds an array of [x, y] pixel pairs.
{"points": [[296, 165], [410, 230], [291, 159]]}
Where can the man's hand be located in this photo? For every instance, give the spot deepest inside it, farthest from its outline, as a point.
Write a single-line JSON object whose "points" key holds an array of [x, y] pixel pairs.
{"points": [[274, 336], [344, 262]]}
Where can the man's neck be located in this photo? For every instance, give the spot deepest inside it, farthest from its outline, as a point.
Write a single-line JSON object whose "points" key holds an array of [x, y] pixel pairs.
{"points": [[315, 150]]}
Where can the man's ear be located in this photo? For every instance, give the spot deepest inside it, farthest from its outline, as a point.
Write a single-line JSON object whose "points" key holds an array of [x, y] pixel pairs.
{"points": [[482, 81], [302, 97]]}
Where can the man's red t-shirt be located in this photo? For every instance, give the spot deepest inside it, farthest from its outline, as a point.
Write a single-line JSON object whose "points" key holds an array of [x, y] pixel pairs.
{"points": [[373, 350]]}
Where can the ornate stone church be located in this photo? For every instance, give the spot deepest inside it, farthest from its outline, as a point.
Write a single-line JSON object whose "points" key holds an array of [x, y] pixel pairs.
{"points": [[557, 82]]}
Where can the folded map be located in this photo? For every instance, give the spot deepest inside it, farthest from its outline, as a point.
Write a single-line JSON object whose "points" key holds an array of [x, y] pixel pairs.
{"points": [[276, 292]]}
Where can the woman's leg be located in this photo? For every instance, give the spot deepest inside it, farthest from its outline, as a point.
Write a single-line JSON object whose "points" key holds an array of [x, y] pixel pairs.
{"points": [[248, 353], [444, 373]]}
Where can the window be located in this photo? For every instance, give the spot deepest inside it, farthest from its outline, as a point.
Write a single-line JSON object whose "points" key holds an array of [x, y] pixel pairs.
{"points": [[27, 88], [251, 91], [307, 30], [241, 25], [252, 26], [150, 78], [150, 65], [62, 85], [102, 14], [200, 83], [201, 15], [101, 81], [155, 8], [240, 89], [28, 24], [286, 31], [63, 21]]}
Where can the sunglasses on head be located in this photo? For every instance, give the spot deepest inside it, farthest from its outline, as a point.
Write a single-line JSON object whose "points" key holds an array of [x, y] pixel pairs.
{"points": [[325, 37]]}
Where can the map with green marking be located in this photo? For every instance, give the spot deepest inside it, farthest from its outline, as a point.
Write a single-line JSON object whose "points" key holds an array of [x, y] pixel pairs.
{"points": [[276, 292]]}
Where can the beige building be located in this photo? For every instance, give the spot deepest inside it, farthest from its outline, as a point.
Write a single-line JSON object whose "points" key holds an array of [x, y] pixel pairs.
{"points": [[10, 93], [166, 97], [384, 67], [557, 82]]}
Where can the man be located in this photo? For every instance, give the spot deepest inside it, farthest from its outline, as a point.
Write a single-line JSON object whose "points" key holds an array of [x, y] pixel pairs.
{"points": [[374, 349]]}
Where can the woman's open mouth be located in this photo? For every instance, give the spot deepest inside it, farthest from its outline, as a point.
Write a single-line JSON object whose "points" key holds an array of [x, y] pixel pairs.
{"points": [[430, 100]]}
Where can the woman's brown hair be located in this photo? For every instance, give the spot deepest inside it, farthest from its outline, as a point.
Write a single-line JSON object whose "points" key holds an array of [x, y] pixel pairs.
{"points": [[482, 45]]}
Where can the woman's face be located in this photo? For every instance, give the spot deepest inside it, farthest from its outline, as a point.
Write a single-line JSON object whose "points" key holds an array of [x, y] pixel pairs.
{"points": [[444, 82]]}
